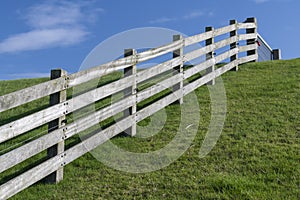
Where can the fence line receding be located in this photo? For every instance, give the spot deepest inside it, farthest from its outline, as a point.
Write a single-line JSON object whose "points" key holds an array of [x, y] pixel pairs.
{"points": [[132, 94]]}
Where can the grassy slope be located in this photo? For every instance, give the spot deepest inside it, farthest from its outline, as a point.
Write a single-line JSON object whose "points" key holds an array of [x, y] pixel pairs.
{"points": [[256, 157]]}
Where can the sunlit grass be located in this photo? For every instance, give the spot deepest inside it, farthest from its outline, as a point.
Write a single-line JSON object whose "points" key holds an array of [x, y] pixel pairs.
{"points": [[256, 157]]}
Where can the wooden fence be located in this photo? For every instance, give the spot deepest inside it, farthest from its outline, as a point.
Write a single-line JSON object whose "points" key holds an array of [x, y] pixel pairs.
{"points": [[55, 115]]}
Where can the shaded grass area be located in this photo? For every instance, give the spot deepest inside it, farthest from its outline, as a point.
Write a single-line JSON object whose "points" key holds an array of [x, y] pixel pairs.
{"points": [[256, 157]]}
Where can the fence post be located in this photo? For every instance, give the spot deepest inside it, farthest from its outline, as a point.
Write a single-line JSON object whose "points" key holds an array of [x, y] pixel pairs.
{"points": [[276, 54], [131, 70], [56, 98], [234, 44], [178, 69], [252, 41], [210, 55]]}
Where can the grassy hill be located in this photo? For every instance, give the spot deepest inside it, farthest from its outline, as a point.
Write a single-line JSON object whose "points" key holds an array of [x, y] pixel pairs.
{"points": [[256, 157]]}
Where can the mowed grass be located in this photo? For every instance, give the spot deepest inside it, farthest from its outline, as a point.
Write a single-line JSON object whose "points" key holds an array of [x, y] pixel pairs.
{"points": [[256, 157]]}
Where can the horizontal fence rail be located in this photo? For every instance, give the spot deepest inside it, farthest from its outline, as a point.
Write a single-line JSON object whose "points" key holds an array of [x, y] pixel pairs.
{"points": [[131, 90]]}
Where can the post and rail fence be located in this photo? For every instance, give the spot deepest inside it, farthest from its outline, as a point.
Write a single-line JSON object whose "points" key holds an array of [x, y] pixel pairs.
{"points": [[54, 116]]}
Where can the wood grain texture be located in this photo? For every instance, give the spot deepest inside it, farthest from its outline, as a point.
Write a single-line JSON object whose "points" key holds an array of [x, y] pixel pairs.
{"points": [[247, 47], [158, 87], [157, 69], [198, 38], [34, 147], [156, 52], [198, 52], [224, 30], [18, 127], [248, 59], [246, 25], [32, 93], [58, 148], [233, 45], [198, 68], [30, 177], [247, 36]]}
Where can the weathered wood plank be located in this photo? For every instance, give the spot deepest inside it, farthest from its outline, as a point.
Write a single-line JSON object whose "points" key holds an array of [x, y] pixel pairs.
{"points": [[30, 122], [130, 91], [154, 107], [247, 47], [58, 123], [32, 93], [37, 173], [99, 93], [224, 30], [97, 139], [251, 31], [93, 119], [202, 66], [30, 177], [225, 68], [99, 71], [35, 120], [208, 77], [199, 52], [210, 55], [247, 36], [156, 52], [233, 45], [198, 68], [246, 25], [198, 38], [32, 148], [158, 87], [248, 59], [157, 69], [178, 69], [226, 55], [201, 81], [225, 42]]}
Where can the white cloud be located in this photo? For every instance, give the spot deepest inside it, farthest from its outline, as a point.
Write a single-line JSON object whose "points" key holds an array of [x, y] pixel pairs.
{"points": [[41, 39], [54, 24], [48, 16]]}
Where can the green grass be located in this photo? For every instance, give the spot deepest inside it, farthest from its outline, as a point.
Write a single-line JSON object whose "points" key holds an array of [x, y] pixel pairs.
{"points": [[256, 157]]}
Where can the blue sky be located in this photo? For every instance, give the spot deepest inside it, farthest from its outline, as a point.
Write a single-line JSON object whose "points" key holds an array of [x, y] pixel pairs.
{"points": [[37, 36]]}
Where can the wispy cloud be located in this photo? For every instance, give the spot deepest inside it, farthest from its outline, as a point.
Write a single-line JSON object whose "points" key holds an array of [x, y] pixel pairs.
{"points": [[260, 1], [54, 24], [192, 15], [162, 20], [273, 1], [40, 39]]}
